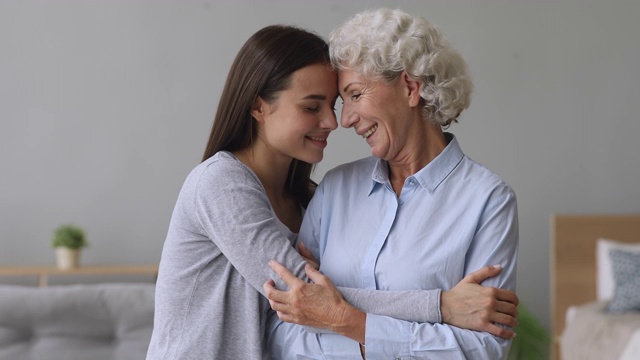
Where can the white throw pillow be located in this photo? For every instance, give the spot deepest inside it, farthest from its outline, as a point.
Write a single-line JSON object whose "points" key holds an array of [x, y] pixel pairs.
{"points": [[605, 282]]}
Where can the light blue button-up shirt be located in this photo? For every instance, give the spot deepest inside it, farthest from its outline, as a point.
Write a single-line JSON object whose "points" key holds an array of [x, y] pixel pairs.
{"points": [[452, 217]]}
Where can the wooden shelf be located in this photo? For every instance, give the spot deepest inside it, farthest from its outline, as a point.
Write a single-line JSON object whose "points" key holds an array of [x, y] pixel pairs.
{"points": [[42, 273]]}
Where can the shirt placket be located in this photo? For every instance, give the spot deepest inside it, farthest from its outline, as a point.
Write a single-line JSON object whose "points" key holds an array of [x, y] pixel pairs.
{"points": [[372, 253]]}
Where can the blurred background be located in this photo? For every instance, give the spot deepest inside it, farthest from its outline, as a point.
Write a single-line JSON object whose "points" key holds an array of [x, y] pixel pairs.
{"points": [[105, 106]]}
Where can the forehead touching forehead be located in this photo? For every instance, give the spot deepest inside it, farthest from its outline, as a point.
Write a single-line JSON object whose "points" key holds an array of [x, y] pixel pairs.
{"points": [[349, 80], [317, 78]]}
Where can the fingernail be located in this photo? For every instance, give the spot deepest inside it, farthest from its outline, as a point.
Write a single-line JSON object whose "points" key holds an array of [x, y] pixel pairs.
{"points": [[497, 266], [271, 262]]}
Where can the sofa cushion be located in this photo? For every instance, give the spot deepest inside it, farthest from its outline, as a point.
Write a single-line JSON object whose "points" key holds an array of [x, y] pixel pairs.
{"points": [[96, 321]]}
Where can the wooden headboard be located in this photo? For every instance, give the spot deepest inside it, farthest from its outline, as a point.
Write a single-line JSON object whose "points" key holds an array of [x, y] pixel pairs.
{"points": [[573, 258]]}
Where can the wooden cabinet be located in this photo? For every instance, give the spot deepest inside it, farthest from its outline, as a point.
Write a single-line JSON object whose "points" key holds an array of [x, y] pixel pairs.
{"points": [[43, 273]]}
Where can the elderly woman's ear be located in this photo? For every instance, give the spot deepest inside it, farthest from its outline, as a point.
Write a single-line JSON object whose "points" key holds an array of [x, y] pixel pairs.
{"points": [[412, 87]]}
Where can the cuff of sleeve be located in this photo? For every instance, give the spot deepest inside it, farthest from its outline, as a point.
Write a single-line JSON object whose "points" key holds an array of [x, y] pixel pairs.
{"points": [[436, 313], [337, 347], [386, 338]]}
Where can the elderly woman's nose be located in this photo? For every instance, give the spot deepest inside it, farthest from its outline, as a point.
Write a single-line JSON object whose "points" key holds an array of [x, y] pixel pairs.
{"points": [[347, 117]]}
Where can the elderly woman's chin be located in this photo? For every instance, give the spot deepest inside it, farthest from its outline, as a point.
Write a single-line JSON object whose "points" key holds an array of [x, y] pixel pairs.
{"points": [[379, 151]]}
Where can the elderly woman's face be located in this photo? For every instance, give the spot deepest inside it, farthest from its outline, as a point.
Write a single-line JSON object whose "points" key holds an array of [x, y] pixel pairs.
{"points": [[377, 111]]}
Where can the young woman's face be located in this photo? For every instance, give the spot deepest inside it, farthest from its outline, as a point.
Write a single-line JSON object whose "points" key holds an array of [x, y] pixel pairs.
{"points": [[377, 111], [298, 123]]}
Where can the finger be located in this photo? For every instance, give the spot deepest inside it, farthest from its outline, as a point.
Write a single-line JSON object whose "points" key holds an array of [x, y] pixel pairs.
{"points": [[308, 255], [281, 308], [507, 296], [285, 317], [313, 264], [315, 275], [284, 274], [274, 294], [268, 286], [304, 251], [504, 319], [507, 308], [483, 274], [500, 332]]}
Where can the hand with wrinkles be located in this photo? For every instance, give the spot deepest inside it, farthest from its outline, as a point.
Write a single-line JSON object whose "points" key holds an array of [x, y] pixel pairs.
{"points": [[318, 304]]}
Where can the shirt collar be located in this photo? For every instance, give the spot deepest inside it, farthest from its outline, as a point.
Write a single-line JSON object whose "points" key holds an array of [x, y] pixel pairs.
{"points": [[430, 176], [380, 175]]}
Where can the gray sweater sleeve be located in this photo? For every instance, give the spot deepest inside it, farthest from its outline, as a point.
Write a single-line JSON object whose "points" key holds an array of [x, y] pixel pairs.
{"points": [[411, 305], [233, 210]]}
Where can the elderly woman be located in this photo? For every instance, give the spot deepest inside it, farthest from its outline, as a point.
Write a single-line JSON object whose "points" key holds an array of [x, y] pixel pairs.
{"points": [[419, 214]]}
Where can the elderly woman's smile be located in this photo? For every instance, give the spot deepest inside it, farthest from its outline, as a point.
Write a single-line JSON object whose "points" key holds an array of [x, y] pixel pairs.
{"points": [[370, 131]]}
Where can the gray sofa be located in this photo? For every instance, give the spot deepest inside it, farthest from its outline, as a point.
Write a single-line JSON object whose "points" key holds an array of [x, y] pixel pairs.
{"points": [[76, 322]]}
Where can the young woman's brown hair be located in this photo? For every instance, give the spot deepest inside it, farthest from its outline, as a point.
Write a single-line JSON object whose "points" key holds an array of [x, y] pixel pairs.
{"points": [[263, 68]]}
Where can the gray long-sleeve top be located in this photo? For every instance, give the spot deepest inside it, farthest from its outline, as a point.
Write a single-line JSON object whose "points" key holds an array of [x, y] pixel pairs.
{"points": [[223, 231]]}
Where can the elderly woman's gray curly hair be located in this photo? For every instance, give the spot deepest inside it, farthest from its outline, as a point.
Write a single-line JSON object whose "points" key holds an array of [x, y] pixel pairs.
{"points": [[380, 44]]}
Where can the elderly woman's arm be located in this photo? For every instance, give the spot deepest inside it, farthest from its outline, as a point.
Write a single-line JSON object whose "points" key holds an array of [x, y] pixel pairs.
{"points": [[321, 305], [496, 242], [468, 305]]}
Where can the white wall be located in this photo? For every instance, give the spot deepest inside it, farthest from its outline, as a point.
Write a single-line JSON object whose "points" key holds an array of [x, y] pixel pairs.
{"points": [[106, 105]]}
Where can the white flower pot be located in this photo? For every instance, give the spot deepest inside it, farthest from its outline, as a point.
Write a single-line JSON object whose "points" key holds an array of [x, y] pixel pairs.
{"points": [[67, 258]]}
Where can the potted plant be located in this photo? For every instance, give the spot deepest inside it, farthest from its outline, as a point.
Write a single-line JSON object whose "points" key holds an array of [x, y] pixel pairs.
{"points": [[67, 241], [533, 340]]}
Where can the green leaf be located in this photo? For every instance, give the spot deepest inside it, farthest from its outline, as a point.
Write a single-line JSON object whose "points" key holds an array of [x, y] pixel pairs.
{"points": [[532, 341], [69, 236]]}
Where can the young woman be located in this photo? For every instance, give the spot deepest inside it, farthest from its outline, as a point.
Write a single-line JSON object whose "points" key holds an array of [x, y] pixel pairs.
{"points": [[243, 205]]}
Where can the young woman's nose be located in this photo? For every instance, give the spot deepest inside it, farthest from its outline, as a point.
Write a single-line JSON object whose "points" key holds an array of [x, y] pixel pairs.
{"points": [[329, 121]]}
